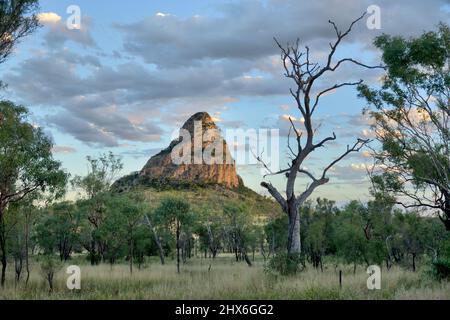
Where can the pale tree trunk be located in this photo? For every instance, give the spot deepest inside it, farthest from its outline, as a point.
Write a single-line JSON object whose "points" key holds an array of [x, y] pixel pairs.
{"points": [[294, 243], [131, 252], [446, 209], [27, 235], [178, 245], [156, 237]]}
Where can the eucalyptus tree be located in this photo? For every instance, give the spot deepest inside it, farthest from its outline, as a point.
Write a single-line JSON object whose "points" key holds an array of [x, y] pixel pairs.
{"points": [[26, 162], [238, 229], [130, 214], [411, 113], [307, 77], [175, 214], [18, 18], [57, 230], [95, 189]]}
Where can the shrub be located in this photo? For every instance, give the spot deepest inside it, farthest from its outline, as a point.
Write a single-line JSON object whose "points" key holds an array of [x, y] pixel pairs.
{"points": [[441, 269], [285, 264], [49, 266]]}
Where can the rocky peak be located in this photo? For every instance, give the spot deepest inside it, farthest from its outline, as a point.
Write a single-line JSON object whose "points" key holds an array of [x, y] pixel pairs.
{"points": [[204, 117], [161, 168]]}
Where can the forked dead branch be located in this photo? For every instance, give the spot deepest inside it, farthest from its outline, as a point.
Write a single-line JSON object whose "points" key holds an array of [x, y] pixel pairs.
{"points": [[305, 74]]}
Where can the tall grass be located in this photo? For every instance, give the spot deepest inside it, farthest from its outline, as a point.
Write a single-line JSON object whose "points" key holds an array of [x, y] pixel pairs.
{"points": [[225, 279]]}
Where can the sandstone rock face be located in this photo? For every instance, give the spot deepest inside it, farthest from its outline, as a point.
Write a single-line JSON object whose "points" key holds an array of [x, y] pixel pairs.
{"points": [[193, 146]]}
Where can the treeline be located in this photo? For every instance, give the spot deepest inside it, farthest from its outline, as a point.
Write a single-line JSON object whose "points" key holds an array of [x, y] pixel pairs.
{"points": [[107, 227], [373, 233]]}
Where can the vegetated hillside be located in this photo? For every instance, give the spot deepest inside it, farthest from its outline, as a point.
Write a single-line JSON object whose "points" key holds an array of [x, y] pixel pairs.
{"points": [[211, 199], [208, 188]]}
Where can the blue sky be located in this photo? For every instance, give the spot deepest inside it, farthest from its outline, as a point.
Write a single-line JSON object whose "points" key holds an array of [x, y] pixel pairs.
{"points": [[135, 73]]}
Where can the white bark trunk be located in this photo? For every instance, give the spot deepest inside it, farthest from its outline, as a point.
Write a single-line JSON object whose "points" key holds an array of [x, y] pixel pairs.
{"points": [[294, 243]]}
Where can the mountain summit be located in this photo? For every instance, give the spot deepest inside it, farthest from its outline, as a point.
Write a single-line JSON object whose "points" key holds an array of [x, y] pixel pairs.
{"points": [[199, 156]]}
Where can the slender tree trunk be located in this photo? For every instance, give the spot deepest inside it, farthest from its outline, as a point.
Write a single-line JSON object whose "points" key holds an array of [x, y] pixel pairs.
{"points": [[50, 281], [18, 265], [4, 264], [190, 248], [92, 253], [27, 262], [178, 246], [446, 218], [157, 239], [294, 243], [414, 262], [245, 257], [263, 252], [3, 250], [195, 249], [131, 256]]}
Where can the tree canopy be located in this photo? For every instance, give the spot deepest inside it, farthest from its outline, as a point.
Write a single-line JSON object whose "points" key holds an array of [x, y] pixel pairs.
{"points": [[18, 18], [26, 158], [411, 114]]}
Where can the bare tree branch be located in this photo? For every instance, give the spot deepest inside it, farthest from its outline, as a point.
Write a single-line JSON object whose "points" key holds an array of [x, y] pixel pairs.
{"points": [[356, 148], [275, 194]]}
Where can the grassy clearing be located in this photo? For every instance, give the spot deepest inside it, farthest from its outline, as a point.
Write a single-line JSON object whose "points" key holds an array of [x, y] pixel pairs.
{"points": [[225, 280]]}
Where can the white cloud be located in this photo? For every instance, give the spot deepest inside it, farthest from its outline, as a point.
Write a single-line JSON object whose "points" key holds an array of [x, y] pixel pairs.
{"points": [[195, 64], [287, 117], [49, 18]]}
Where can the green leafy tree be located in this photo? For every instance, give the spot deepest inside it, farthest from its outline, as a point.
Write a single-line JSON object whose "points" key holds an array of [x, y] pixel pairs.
{"points": [[15, 242], [112, 234], [411, 114], [276, 234], [49, 266], [26, 162], [20, 221], [318, 222], [125, 217], [351, 242], [18, 18], [102, 172], [30, 214], [210, 230], [238, 229], [143, 245], [175, 214], [95, 186], [58, 230], [413, 235]]}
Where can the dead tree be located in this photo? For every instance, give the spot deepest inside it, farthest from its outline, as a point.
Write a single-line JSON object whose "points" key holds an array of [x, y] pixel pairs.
{"points": [[156, 238], [305, 74]]}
